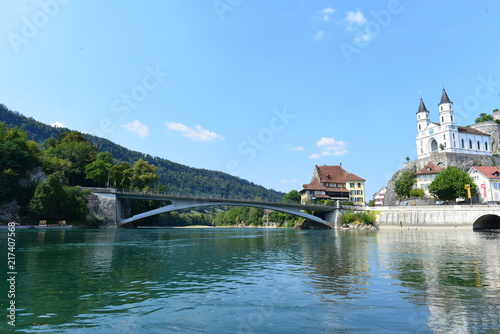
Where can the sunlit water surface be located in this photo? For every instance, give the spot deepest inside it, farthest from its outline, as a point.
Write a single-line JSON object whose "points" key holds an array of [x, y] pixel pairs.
{"points": [[254, 281]]}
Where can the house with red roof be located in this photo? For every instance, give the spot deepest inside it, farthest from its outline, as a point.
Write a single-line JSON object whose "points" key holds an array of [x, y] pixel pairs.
{"points": [[487, 180], [426, 175], [335, 184]]}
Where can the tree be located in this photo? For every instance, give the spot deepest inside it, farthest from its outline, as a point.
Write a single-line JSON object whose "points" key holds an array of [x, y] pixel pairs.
{"points": [[100, 169], [484, 117], [73, 147], [450, 184], [17, 156], [143, 176], [404, 184], [54, 200], [292, 197], [417, 192]]}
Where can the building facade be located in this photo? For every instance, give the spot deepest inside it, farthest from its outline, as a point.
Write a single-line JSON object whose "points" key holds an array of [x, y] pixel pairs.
{"points": [[426, 175], [487, 180], [335, 184], [446, 136], [378, 198]]}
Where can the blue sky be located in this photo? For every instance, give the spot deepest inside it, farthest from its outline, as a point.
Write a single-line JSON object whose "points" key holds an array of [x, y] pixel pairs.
{"points": [[263, 90]]}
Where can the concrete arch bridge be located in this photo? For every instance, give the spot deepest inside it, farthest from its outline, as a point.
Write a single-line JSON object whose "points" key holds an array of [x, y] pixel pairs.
{"points": [[112, 204]]}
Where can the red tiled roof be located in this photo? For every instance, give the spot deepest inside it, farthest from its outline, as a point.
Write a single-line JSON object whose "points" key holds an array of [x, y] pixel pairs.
{"points": [[314, 185], [430, 168], [491, 172], [336, 174]]}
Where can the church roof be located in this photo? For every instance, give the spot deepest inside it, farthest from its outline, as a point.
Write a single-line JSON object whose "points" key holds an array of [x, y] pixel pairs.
{"points": [[421, 107], [444, 98], [430, 168], [465, 129], [491, 172]]}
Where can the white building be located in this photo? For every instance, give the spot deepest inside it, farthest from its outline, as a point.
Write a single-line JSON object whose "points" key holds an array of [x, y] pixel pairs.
{"points": [[446, 136], [487, 180], [426, 175], [378, 198]]}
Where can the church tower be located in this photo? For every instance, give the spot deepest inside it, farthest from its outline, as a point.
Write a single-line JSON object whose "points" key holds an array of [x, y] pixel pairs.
{"points": [[422, 116], [446, 110]]}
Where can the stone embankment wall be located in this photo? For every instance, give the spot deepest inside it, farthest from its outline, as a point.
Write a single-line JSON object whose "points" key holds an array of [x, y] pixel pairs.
{"points": [[446, 216], [104, 207]]}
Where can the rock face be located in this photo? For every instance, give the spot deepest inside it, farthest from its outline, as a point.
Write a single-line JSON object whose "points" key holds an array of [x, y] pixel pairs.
{"points": [[462, 161], [104, 208]]}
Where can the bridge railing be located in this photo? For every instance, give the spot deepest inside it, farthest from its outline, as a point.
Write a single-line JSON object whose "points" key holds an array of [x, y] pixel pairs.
{"points": [[208, 197]]}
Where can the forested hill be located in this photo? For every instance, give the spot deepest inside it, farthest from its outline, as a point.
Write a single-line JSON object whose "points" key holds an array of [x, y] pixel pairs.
{"points": [[177, 177]]}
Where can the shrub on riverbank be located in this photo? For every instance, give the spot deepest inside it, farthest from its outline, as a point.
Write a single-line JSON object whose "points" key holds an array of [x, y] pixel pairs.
{"points": [[358, 217]]}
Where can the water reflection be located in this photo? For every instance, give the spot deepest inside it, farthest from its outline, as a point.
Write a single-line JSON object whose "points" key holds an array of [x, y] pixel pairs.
{"points": [[230, 280]]}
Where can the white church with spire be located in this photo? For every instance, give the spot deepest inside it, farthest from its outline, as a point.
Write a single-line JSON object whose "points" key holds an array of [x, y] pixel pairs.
{"points": [[446, 136]]}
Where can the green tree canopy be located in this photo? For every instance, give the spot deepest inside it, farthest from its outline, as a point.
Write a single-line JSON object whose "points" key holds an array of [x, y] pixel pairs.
{"points": [[54, 200], [450, 184], [404, 184], [484, 117], [17, 156], [144, 176], [292, 196]]}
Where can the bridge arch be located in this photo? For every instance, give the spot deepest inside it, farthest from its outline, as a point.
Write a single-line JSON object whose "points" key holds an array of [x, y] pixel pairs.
{"points": [[187, 204], [487, 222]]}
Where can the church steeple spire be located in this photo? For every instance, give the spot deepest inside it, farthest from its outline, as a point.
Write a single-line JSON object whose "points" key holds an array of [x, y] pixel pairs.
{"points": [[421, 107], [445, 98]]}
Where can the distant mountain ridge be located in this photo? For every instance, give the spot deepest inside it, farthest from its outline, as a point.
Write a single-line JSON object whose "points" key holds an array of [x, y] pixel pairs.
{"points": [[177, 177]]}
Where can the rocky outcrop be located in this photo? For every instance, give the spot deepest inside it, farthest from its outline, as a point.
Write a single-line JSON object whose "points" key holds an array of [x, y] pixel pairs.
{"points": [[440, 159]]}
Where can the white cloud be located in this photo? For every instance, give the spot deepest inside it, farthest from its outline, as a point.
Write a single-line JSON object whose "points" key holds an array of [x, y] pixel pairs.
{"points": [[324, 14], [357, 18], [320, 34], [330, 147], [289, 181], [298, 148], [363, 38], [58, 125], [137, 128], [196, 134]]}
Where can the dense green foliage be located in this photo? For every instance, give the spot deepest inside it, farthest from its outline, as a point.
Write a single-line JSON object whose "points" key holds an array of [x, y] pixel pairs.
{"points": [[417, 192], [359, 217], [450, 184], [484, 117], [246, 216], [18, 155], [404, 184], [54, 200], [59, 163], [176, 177]]}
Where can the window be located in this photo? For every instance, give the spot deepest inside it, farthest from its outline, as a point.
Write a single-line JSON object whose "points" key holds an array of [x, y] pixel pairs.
{"points": [[478, 145], [452, 118], [419, 127], [486, 146], [442, 118], [463, 144], [351, 184], [470, 144], [444, 137], [359, 185]]}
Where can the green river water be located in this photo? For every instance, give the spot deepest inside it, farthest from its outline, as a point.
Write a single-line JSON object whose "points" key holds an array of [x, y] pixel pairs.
{"points": [[218, 280]]}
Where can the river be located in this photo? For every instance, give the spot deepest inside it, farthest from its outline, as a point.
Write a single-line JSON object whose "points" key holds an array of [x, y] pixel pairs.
{"points": [[218, 280]]}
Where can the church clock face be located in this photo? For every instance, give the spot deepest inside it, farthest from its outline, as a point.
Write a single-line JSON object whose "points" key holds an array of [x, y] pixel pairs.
{"points": [[431, 131], [453, 126]]}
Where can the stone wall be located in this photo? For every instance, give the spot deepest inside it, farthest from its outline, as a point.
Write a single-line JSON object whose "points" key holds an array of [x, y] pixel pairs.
{"points": [[438, 216], [104, 207]]}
